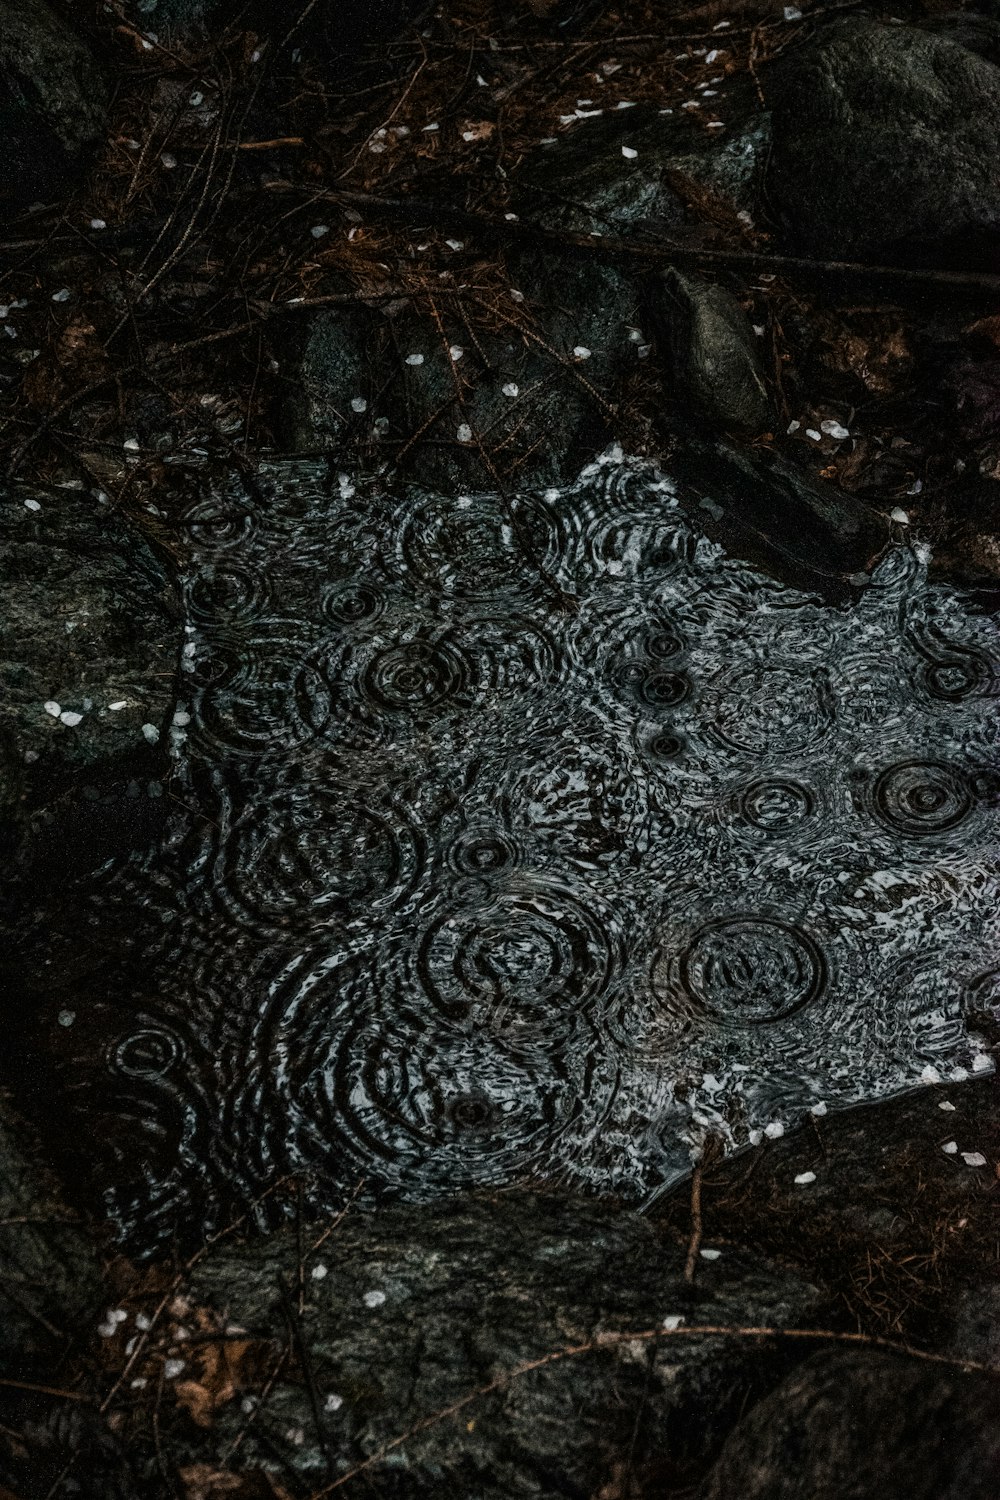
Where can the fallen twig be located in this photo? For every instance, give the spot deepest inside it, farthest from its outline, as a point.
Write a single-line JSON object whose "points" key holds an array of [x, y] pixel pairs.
{"points": [[611, 1340]]}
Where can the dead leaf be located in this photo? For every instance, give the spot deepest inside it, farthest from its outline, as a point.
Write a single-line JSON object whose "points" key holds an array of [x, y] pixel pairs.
{"points": [[988, 328], [203, 1482]]}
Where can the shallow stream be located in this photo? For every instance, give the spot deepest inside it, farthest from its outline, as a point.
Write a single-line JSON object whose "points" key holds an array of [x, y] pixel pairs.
{"points": [[531, 839]]}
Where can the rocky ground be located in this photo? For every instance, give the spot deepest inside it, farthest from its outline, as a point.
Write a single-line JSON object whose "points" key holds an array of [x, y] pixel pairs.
{"points": [[475, 243]]}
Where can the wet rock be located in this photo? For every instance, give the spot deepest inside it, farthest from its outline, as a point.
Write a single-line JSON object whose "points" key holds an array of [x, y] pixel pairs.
{"points": [[885, 147], [410, 1310], [711, 353], [49, 1277], [766, 509], [978, 34], [52, 101], [89, 643], [866, 1425], [535, 388], [585, 182]]}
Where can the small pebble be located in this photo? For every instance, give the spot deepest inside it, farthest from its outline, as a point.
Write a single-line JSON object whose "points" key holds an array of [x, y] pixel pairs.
{"points": [[945, 1104], [414, 359], [982, 1063], [66, 1017], [834, 429], [172, 1368], [32, 505], [333, 1402], [950, 1148], [114, 707], [373, 1299], [581, 352], [456, 351], [510, 389], [70, 718], [98, 224], [899, 514], [319, 1270], [150, 733], [711, 1254], [629, 153], [359, 404], [318, 231], [464, 433], [774, 1130]]}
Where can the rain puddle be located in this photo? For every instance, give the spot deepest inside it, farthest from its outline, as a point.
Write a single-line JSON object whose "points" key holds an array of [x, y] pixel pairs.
{"points": [[531, 839]]}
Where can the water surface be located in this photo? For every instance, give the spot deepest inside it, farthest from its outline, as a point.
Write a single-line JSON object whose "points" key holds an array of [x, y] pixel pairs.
{"points": [[531, 838]]}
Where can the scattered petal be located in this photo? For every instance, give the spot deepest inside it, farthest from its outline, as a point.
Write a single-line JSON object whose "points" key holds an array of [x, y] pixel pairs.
{"points": [[982, 1063], [373, 1299], [774, 1130], [672, 1321], [66, 1017], [711, 1254], [974, 1158], [464, 433], [168, 160], [629, 153], [52, 707], [32, 505], [581, 352], [950, 1148], [414, 359], [930, 1075], [70, 718], [512, 390], [319, 1271], [456, 351], [834, 429], [98, 224], [333, 1402], [63, 295], [945, 1104], [359, 404], [121, 703], [455, 244], [318, 231], [172, 1368], [899, 514], [805, 1177], [151, 733]]}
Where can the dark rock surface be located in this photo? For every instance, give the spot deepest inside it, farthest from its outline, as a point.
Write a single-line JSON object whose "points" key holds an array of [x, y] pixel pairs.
{"points": [[88, 622], [50, 1286], [866, 1425], [711, 354], [766, 508], [885, 146], [410, 1310], [545, 407], [52, 101]]}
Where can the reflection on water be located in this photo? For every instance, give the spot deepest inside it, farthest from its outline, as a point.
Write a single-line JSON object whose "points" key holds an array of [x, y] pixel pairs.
{"points": [[532, 839]]}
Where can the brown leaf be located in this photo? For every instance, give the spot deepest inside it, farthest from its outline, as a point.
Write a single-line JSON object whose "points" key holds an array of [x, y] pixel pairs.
{"points": [[988, 328], [203, 1482]]}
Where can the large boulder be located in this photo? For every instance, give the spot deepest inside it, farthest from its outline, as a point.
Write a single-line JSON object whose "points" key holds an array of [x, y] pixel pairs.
{"points": [[52, 101], [411, 1310], [885, 147], [866, 1425]]}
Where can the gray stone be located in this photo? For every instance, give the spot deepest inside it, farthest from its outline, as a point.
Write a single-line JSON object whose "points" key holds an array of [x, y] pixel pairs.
{"points": [[866, 1425], [885, 146], [711, 353], [89, 621], [49, 1276], [52, 100], [558, 418], [584, 183], [762, 507], [418, 1307]]}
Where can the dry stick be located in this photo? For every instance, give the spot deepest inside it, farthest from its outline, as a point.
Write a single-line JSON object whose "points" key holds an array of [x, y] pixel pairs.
{"points": [[694, 1244], [662, 252], [611, 1340], [47, 1390], [330, 1228]]}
